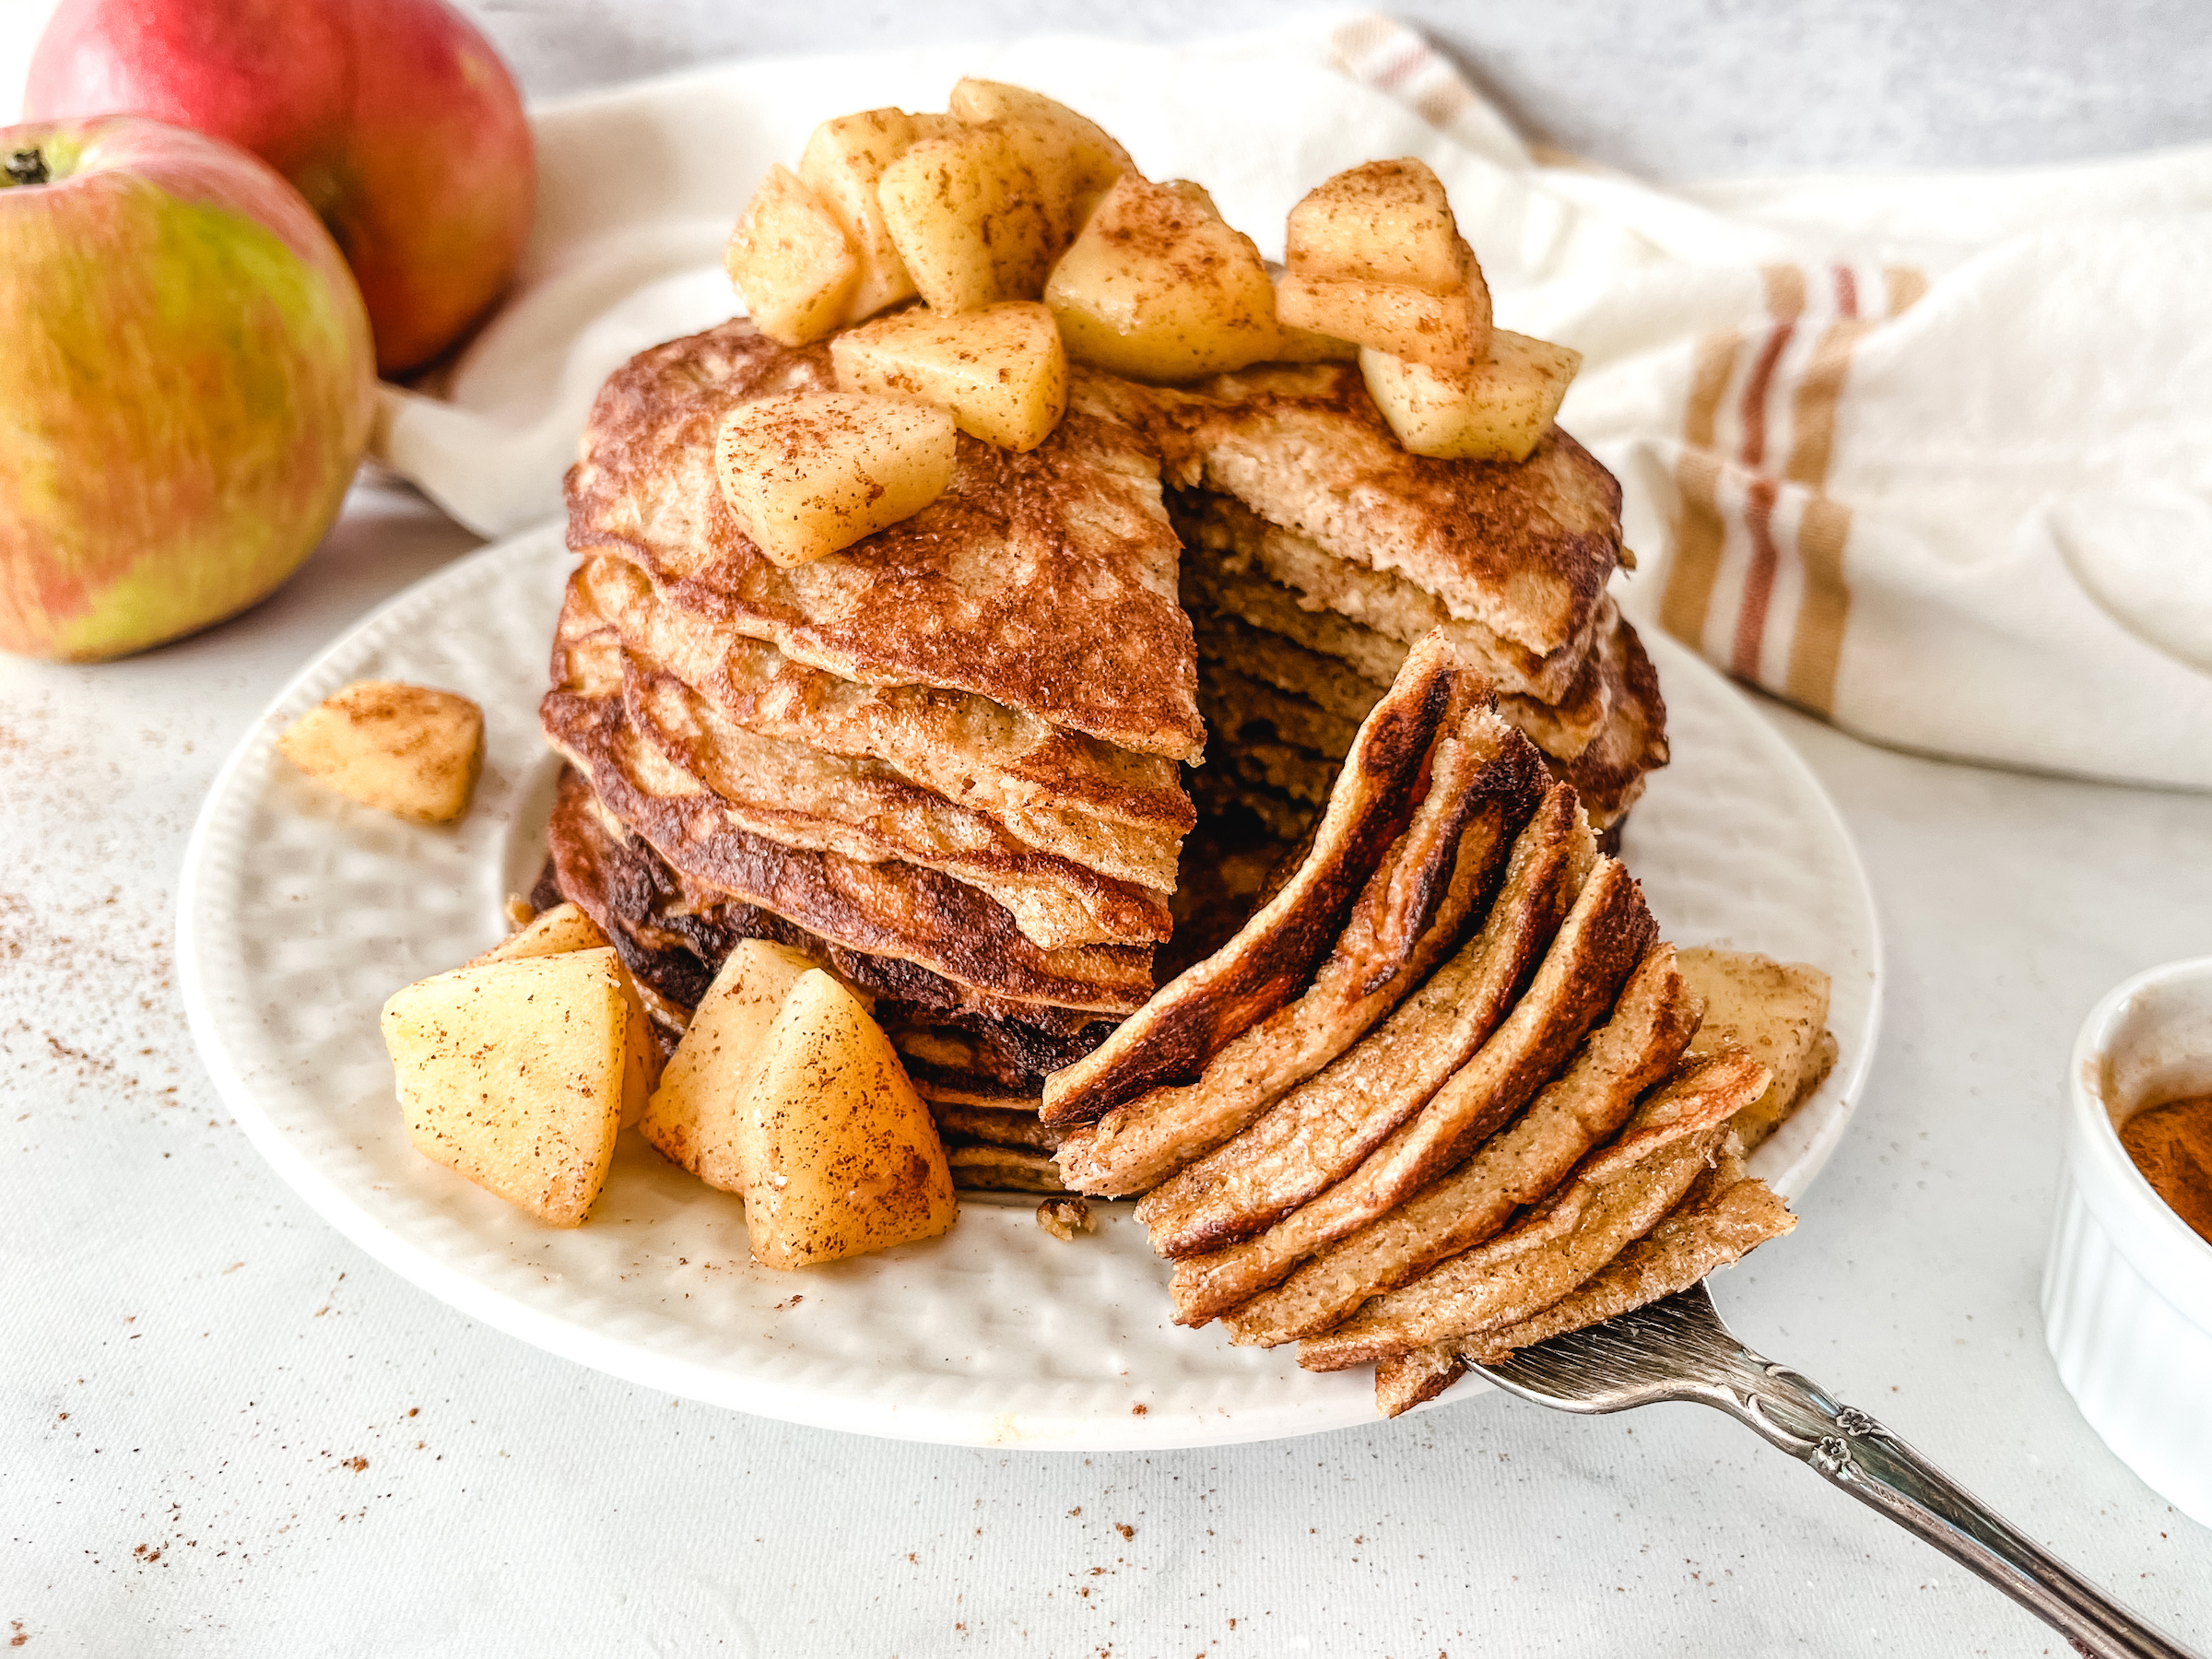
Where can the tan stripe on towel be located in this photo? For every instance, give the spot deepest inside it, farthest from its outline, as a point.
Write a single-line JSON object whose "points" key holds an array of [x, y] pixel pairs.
{"points": [[1699, 529], [1759, 580], [1816, 645]]}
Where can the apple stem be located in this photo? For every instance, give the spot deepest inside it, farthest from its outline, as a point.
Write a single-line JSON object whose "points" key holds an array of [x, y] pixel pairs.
{"points": [[25, 167]]}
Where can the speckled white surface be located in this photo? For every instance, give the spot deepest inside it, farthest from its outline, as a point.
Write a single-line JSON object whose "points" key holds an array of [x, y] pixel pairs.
{"points": [[300, 912], [224, 1429]]}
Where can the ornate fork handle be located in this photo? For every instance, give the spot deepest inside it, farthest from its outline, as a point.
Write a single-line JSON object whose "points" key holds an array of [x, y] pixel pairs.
{"points": [[1853, 1451]]}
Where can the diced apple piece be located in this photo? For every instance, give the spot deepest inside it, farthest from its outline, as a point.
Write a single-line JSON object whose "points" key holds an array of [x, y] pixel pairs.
{"points": [[405, 749], [1449, 332], [511, 1074], [698, 1116], [1500, 413], [1096, 161], [808, 473], [1156, 288], [790, 261], [843, 164], [564, 928], [1302, 345], [1002, 371], [980, 215], [1197, 194], [845, 1156], [1384, 222]]}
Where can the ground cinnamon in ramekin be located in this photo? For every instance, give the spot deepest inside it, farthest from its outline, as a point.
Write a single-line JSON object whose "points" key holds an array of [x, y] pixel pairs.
{"points": [[2173, 1146]]}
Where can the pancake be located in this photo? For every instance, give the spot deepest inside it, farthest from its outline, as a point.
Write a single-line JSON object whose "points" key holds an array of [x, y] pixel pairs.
{"points": [[1118, 811], [892, 910], [1043, 581], [672, 934], [1525, 548]]}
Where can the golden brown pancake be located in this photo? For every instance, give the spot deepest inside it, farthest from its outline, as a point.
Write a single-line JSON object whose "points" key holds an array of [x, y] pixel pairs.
{"points": [[1043, 581]]}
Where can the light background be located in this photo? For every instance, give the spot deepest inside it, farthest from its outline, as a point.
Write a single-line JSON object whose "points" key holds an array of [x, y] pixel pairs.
{"points": [[224, 1430]]}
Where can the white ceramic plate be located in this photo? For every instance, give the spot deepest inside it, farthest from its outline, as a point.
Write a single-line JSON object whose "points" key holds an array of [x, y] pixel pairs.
{"points": [[300, 912]]}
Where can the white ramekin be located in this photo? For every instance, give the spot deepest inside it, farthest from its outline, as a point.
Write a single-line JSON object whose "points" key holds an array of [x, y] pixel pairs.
{"points": [[2128, 1292]]}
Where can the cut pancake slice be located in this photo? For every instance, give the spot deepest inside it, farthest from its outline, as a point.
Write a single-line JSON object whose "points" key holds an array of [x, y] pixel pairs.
{"points": [[1320, 1130], [1236, 705], [1524, 547], [1222, 533], [1583, 1107], [1273, 958], [1616, 1196], [1600, 942], [1044, 582], [1414, 909], [1726, 1214]]}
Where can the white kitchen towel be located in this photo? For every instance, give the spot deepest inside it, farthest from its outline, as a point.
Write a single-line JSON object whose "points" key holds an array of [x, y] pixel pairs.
{"points": [[1930, 455]]}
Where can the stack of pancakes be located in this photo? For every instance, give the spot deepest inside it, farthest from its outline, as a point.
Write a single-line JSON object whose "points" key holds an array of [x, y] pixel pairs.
{"points": [[1317, 551], [957, 761], [1446, 1093], [946, 762]]}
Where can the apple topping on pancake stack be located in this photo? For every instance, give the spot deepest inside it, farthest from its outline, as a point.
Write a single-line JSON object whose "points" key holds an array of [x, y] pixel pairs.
{"points": [[1447, 1092], [911, 613]]}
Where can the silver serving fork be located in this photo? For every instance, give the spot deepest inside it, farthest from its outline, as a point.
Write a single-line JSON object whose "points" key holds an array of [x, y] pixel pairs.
{"points": [[1678, 1349]]}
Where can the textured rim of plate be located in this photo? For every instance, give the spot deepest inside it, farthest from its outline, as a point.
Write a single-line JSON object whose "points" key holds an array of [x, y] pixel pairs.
{"points": [[1792, 1161]]}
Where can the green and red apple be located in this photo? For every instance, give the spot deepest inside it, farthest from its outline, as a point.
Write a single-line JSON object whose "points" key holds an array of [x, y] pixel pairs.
{"points": [[186, 383], [395, 119]]}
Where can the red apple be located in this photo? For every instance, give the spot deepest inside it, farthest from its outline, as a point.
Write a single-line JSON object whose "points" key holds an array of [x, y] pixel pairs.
{"points": [[186, 383], [394, 118]]}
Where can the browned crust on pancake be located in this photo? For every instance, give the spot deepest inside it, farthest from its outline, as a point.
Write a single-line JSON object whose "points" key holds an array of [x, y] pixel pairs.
{"points": [[1727, 1213], [991, 1169], [888, 909], [1303, 590], [1609, 774], [1319, 1130], [1615, 1194], [1056, 789], [1273, 957], [800, 797], [1044, 582], [1240, 708], [1404, 1380], [1639, 1043], [1523, 548], [1596, 947], [991, 1125], [1413, 913], [674, 933]]}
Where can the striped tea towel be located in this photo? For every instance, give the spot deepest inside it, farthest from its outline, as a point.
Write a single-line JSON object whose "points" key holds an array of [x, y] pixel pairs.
{"points": [[1928, 454]]}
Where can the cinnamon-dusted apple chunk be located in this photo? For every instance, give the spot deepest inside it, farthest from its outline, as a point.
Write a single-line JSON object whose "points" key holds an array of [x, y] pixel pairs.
{"points": [[979, 214], [408, 750], [843, 164], [790, 261], [699, 1116], [565, 928], [1500, 413], [843, 1157], [1375, 257], [1001, 370], [808, 473], [511, 1074], [1095, 160], [1157, 288]]}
